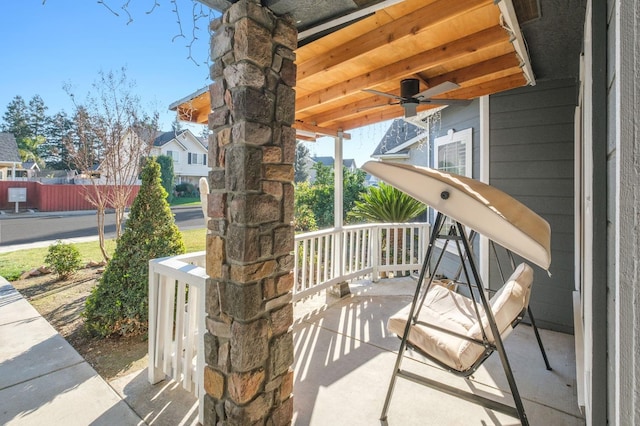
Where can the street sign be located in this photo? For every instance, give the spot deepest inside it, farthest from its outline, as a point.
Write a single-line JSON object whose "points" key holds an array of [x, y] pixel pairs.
{"points": [[17, 195]]}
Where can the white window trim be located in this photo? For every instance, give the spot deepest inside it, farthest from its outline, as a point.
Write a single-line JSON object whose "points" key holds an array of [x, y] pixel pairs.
{"points": [[466, 137], [175, 155]]}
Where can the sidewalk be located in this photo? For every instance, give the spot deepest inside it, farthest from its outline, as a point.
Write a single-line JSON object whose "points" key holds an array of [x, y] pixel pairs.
{"points": [[16, 247], [43, 380]]}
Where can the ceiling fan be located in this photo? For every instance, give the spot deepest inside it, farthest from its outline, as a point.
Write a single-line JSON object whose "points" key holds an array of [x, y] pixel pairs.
{"points": [[410, 95]]}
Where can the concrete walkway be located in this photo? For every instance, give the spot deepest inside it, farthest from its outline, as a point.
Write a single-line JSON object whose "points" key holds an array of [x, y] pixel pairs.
{"points": [[43, 380]]}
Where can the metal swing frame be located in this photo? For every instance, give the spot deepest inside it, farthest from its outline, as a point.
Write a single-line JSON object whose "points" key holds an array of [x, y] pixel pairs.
{"points": [[468, 266]]}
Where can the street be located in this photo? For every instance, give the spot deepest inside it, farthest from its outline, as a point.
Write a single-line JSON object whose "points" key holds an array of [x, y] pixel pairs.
{"points": [[25, 228]]}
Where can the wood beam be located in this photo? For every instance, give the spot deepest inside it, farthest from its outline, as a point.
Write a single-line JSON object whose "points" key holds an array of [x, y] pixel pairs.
{"points": [[395, 111], [415, 22], [383, 114], [489, 87], [414, 64], [320, 131], [349, 109], [460, 76], [302, 137], [481, 69]]}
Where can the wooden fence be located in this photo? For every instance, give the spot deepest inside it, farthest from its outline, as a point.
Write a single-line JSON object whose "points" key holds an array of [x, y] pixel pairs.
{"points": [[51, 198]]}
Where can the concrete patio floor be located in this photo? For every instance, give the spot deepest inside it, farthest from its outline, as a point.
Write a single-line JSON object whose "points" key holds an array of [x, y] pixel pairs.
{"points": [[343, 362], [344, 357]]}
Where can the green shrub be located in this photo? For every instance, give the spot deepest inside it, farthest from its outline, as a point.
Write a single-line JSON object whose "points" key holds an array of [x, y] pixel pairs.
{"points": [[119, 303], [166, 174], [186, 189], [63, 259]]}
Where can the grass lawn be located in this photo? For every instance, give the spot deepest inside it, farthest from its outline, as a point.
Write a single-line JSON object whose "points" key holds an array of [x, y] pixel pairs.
{"points": [[185, 201], [13, 264]]}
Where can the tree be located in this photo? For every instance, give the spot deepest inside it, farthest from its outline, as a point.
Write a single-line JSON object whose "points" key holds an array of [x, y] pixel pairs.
{"points": [[176, 125], [119, 303], [28, 149], [15, 119], [59, 134], [319, 196], [37, 117], [27, 123], [112, 137], [166, 174], [300, 163]]}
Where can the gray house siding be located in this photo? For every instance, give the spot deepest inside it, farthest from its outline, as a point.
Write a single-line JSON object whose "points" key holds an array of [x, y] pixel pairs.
{"points": [[532, 159]]}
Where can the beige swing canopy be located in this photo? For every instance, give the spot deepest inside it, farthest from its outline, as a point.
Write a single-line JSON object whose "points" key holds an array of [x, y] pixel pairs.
{"points": [[479, 206]]}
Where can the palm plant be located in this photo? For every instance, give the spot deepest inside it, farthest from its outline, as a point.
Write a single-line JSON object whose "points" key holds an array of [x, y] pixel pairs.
{"points": [[387, 204]]}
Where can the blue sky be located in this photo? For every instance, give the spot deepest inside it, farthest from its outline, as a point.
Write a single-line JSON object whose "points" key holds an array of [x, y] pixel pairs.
{"points": [[47, 46]]}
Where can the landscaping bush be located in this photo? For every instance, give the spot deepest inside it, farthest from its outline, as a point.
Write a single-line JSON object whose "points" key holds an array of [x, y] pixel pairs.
{"points": [[119, 303], [186, 190], [63, 259], [166, 173]]}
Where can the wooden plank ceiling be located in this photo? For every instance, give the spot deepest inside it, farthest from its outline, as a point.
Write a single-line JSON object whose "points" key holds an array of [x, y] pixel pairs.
{"points": [[468, 42]]}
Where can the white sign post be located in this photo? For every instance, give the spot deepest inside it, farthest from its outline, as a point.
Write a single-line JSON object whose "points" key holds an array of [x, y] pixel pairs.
{"points": [[17, 195]]}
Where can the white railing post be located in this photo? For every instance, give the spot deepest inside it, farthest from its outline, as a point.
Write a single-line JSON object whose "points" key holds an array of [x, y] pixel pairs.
{"points": [[155, 374], [374, 238], [177, 321]]}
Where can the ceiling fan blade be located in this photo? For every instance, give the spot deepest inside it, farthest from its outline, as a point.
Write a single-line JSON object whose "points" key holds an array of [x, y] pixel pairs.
{"points": [[436, 90], [461, 102], [386, 95]]}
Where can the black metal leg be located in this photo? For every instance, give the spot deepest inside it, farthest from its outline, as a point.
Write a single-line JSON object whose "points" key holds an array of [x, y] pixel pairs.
{"points": [[494, 331], [407, 328], [535, 330]]}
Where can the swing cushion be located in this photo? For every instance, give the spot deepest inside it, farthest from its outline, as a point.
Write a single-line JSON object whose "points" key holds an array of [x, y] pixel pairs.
{"points": [[452, 311]]}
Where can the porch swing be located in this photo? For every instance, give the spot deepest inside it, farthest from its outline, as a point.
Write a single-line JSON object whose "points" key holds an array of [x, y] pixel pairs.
{"points": [[458, 332]]}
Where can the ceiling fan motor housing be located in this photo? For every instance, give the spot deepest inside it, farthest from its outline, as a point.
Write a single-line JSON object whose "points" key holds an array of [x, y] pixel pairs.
{"points": [[409, 87]]}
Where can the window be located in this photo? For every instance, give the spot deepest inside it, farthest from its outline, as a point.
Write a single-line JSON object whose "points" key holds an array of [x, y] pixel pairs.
{"points": [[175, 155], [454, 154], [192, 158]]}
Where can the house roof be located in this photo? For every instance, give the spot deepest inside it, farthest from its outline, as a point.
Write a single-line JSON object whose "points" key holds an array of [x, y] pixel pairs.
{"points": [[397, 134], [166, 137], [9, 148], [329, 161], [30, 165], [346, 46]]}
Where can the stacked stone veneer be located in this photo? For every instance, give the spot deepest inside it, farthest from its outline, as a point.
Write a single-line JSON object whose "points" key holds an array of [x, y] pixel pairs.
{"points": [[249, 345]]}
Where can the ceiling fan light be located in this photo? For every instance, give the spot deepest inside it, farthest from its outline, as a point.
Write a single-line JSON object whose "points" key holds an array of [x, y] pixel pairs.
{"points": [[409, 87], [410, 110]]}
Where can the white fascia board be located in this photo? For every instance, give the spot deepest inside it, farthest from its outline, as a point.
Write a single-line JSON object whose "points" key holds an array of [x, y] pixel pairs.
{"points": [[391, 156], [512, 25]]}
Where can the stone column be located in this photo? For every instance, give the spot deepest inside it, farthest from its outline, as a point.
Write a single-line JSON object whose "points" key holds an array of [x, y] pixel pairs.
{"points": [[249, 345]]}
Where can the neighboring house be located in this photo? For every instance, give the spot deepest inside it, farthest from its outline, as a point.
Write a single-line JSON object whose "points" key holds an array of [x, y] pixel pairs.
{"points": [[349, 163], [9, 158], [121, 160], [189, 154], [30, 169]]}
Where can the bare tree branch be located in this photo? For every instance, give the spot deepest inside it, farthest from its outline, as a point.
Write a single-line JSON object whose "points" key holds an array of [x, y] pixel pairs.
{"points": [[113, 137]]}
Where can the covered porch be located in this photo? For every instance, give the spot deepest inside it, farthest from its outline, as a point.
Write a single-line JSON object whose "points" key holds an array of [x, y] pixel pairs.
{"points": [[343, 353], [473, 49]]}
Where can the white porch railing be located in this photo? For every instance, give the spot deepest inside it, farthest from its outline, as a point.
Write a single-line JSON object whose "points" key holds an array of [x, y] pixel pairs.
{"points": [[322, 259], [328, 257], [177, 321]]}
